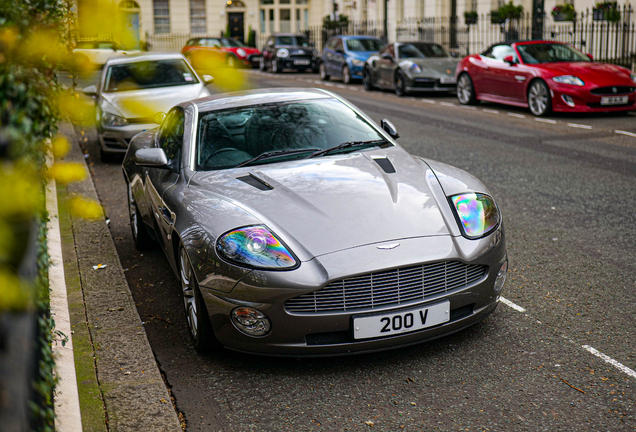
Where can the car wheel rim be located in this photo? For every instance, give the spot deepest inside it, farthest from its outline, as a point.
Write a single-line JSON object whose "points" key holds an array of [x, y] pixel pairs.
{"points": [[323, 73], [346, 76], [464, 90], [399, 85], [230, 62], [261, 64], [132, 212], [274, 66], [538, 99], [187, 290], [366, 79]]}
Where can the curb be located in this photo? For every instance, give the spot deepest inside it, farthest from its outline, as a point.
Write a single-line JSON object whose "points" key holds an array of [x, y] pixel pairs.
{"points": [[119, 383]]}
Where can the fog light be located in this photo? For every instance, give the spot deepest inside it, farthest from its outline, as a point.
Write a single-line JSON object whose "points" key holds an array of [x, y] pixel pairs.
{"points": [[251, 321], [568, 100], [501, 277]]}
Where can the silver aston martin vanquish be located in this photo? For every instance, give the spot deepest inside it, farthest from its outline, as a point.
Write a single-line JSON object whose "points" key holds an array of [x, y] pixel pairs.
{"points": [[297, 226]]}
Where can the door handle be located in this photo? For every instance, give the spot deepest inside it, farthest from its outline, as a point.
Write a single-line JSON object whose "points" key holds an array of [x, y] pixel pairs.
{"points": [[166, 215]]}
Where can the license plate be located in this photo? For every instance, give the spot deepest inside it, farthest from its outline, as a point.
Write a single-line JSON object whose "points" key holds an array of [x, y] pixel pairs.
{"points": [[448, 80], [401, 322], [255, 58], [614, 100], [301, 62]]}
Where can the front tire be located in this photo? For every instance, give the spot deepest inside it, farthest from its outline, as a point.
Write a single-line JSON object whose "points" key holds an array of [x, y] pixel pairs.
{"points": [[465, 90], [539, 100], [140, 235], [367, 82], [275, 66], [199, 327], [400, 85], [323, 72], [346, 75], [261, 65]]}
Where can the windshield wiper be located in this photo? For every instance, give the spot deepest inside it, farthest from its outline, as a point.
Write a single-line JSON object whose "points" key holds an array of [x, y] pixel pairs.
{"points": [[349, 144], [274, 154]]}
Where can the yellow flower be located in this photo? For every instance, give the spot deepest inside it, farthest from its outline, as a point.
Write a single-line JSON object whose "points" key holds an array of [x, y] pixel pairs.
{"points": [[67, 172], [85, 208]]}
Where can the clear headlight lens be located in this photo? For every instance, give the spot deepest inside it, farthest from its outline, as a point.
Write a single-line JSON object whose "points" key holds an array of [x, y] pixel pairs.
{"points": [[569, 79], [251, 321], [477, 214], [241, 52], [282, 53], [109, 119], [633, 77], [413, 67], [255, 247], [357, 62]]}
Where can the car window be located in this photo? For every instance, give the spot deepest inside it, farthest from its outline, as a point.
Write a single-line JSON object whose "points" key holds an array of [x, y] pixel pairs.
{"points": [[148, 74], [171, 137], [210, 42], [500, 52], [85, 45], [391, 50], [431, 50], [292, 40], [332, 43], [226, 138], [339, 45], [409, 51], [363, 44], [192, 42], [232, 43], [546, 53]]}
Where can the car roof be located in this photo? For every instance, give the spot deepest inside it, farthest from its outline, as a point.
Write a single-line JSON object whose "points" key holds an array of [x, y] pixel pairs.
{"points": [[144, 57], [345, 37], [257, 97], [290, 34]]}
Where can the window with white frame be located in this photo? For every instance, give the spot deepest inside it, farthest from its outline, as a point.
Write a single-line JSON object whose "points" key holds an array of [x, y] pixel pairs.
{"points": [[197, 17], [284, 15], [161, 10]]}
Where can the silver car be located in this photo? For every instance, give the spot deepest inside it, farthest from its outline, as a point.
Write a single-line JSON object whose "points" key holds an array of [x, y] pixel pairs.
{"points": [[131, 90], [299, 227]]}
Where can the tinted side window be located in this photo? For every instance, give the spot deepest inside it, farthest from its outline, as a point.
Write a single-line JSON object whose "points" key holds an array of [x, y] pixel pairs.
{"points": [[171, 138], [332, 43], [339, 45]]}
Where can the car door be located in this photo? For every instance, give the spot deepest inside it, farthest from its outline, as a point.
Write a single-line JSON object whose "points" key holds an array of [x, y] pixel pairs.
{"points": [[160, 180], [505, 80], [327, 53], [338, 59], [386, 65]]}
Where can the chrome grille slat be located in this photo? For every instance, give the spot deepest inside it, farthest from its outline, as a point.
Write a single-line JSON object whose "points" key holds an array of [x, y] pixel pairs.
{"points": [[388, 287]]}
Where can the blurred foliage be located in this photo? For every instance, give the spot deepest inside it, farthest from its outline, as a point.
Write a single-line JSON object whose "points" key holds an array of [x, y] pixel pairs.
{"points": [[342, 21]]}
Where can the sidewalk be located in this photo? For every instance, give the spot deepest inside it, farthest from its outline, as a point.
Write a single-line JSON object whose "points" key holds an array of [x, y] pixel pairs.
{"points": [[119, 384]]}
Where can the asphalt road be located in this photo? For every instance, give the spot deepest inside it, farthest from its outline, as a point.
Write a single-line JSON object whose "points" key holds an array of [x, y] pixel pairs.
{"points": [[567, 192]]}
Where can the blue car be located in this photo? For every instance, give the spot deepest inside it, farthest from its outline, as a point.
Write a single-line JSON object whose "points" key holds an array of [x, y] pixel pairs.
{"points": [[344, 56]]}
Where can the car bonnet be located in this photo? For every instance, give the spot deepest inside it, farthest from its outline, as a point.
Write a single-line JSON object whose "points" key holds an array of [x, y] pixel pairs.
{"points": [[148, 102], [336, 202]]}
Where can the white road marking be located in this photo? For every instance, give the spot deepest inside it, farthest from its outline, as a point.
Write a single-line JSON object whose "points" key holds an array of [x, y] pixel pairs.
{"points": [[516, 115], [611, 361], [447, 104], [546, 120], [491, 111], [341, 86], [317, 82], [580, 126], [329, 84], [428, 101], [631, 134], [468, 107], [511, 304]]}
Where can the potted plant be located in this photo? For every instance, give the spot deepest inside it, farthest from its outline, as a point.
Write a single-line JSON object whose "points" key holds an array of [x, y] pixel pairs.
{"points": [[564, 12], [606, 11], [470, 17], [506, 11]]}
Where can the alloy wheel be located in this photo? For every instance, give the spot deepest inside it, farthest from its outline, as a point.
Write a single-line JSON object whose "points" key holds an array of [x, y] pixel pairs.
{"points": [[464, 90], [274, 66], [346, 75], [187, 290], [261, 64], [399, 84], [323, 72], [132, 214], [538, 98]]}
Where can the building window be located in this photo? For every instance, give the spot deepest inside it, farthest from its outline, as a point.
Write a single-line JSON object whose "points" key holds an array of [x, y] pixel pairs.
{"points": [[162, 16], [197, 16], [285, 20]]}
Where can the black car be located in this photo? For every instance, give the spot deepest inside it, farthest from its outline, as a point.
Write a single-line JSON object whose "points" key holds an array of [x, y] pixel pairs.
{"points": [[289, 51]]}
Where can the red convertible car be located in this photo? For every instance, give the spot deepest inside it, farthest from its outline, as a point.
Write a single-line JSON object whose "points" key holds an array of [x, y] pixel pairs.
{"points": [[544, 76], [233, 52]]}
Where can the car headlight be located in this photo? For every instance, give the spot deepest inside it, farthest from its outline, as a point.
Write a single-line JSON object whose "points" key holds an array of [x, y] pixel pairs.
{"points": [[109, 119], [476, 213], [255, 247], [241, 52], [282, 53], [633, 77], [569, 79], [413, 67], [357, 62]]}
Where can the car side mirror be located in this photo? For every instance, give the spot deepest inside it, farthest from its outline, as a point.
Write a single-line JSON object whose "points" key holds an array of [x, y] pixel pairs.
{"points": [[208, 79], [160, 117], [91, 90], [387, 56], [510, 60], [389, 128], [270, 43], [151, 157], [590, 56]]}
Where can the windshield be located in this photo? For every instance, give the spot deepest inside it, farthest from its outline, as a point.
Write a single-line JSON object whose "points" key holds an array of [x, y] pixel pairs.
{"points": [[548, 53], [148, 74], [230, 137], [363, 44], [421, 50], [292, 40], [232, 43]]}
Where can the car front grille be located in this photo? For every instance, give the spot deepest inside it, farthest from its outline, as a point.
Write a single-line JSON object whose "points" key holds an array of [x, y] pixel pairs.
{"points": [[614, 90], [391, 287]]}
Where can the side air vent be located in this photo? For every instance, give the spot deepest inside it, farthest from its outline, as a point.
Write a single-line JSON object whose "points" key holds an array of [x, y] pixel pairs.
{"points": [[385, 164], [252, 180]]}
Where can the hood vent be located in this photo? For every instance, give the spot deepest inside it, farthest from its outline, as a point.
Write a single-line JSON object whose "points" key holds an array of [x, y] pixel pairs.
{"points": [[252, 180], [385, 164]]}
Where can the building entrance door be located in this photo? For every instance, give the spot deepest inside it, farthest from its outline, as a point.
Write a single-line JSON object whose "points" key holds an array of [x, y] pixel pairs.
{"points": [[237, 25]]}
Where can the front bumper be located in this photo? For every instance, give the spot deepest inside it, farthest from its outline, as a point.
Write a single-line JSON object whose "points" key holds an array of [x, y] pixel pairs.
{"points": [[586, 102], [429, 85], [116, 139], [252, 60], [297, 63], [330, 333]]}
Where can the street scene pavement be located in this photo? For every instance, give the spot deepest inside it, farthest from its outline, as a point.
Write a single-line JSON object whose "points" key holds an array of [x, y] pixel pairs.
{"points": [[557, 354]]}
